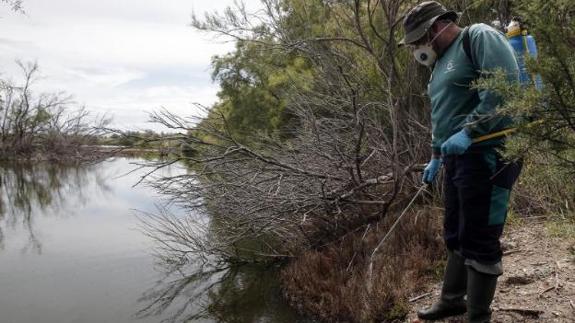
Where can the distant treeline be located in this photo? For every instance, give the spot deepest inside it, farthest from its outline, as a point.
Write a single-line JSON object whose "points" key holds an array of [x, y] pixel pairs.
{"points": [[46, 126], [140, 139]]}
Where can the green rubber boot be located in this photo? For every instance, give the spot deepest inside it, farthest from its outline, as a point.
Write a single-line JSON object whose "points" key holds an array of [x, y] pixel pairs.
{"points": [[480, 292], [451, 302]]}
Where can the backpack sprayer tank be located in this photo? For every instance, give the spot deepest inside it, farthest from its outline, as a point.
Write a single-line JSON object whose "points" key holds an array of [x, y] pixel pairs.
{"points": [[523, 44]]}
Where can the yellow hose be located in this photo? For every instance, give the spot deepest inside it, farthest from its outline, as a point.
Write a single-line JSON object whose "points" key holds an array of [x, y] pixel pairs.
{"points": [[502, 133], [494, 135]]}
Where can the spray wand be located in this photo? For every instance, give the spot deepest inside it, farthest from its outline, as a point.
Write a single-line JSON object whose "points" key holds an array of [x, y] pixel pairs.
{"points": [[370, 268]]}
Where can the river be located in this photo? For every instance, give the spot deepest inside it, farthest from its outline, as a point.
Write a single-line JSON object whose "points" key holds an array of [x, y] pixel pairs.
{"points": [[71, 250]]}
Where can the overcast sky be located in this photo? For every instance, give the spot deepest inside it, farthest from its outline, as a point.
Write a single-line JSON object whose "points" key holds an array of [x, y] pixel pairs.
{"points": [[123, 57]]}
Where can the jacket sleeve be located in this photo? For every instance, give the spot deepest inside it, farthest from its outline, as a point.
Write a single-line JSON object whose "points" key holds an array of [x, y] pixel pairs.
{"points": [[492, 52]]}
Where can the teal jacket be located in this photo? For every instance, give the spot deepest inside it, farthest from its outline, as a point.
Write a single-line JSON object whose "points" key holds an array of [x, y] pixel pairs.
{"points": [[454, 105]]}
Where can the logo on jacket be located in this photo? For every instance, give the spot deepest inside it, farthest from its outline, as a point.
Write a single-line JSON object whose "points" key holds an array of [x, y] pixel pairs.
{"points": [[450, 67]]}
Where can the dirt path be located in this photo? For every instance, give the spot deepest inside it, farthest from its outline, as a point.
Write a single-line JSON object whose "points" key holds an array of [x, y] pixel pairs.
{"points": [[538, 284]]}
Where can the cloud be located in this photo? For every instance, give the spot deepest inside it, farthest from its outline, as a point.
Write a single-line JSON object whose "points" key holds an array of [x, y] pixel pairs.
{"points": [[111, 77], [132, 110], [170, 76], [121, 57]]}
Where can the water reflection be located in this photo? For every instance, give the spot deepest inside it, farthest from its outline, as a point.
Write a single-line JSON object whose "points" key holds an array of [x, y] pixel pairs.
{"points": [[29, 189], [85, 261], [232, 294], [70, 248], [177, 296]]}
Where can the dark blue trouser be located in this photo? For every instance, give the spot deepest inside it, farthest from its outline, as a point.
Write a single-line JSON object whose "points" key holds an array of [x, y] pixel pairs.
{"points": [[477, 187]]}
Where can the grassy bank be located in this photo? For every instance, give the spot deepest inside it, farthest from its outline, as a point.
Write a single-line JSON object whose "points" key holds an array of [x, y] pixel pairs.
{"points": [[78, 154], [332, 284]]}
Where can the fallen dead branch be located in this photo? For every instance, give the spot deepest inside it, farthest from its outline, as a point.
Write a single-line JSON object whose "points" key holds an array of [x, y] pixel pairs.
{"points": [[414, 299], [522, 311], [510, 252]]}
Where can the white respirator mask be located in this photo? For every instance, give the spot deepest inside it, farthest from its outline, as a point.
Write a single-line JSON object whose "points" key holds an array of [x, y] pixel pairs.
{"points": [[425, 54]]}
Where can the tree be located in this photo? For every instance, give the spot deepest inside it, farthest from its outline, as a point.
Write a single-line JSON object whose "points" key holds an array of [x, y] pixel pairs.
{"points": [[546, 118], [351, 155], [42, 124], [253, 85]]}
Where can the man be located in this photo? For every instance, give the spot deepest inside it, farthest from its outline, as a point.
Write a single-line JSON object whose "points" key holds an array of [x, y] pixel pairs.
{"points": [[477, 181]]}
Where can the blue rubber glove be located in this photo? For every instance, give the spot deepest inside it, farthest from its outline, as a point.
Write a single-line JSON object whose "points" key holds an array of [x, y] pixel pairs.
{"points": [[456, 144], [430, 171]]}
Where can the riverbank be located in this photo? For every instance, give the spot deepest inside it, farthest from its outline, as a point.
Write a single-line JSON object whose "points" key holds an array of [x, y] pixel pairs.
{"points": [[538, 283], [335, 284], [73, 156], [86, 154]]}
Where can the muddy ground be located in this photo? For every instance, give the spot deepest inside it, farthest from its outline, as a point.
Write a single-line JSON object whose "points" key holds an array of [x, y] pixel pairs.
{"points": [[538, 284]]}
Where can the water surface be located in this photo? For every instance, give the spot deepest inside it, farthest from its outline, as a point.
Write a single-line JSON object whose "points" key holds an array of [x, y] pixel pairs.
{"points": [[71, 251]]}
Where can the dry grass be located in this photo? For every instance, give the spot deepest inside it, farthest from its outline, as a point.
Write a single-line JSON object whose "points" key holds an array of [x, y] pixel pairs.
{"points": [[332, 284]]}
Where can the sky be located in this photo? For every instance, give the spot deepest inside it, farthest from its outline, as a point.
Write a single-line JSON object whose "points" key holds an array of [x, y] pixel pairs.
{"points": [[124, 58]]}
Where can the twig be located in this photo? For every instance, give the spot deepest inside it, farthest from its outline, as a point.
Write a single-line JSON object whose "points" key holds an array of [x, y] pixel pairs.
{"points": [[365, 233], [557, 274], [541, 263], [509, 252], [556, 285], [351, 261], [523, 311], [546, 290], [411, 300]]}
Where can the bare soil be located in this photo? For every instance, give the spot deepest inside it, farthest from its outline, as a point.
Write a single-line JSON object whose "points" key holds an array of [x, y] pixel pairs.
{"points": [[538, 284]]}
